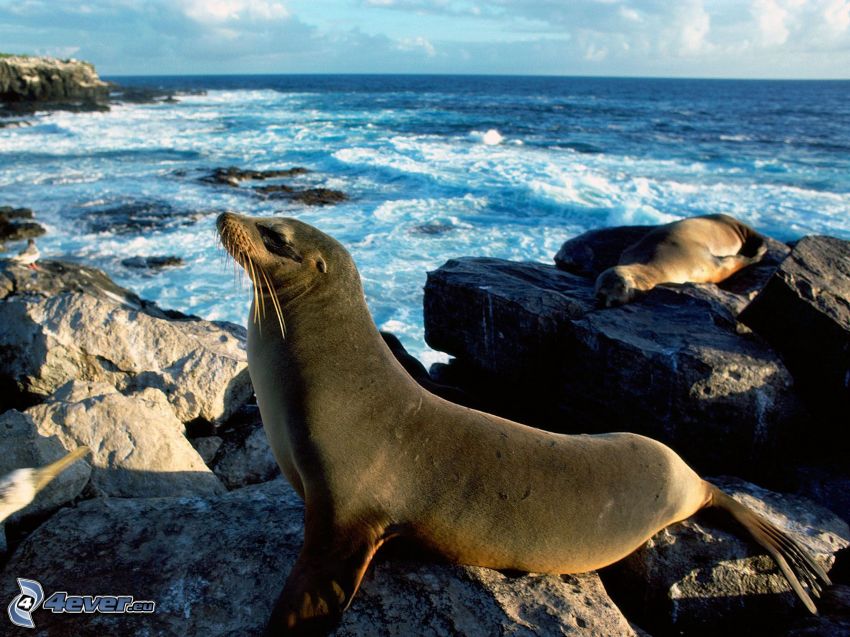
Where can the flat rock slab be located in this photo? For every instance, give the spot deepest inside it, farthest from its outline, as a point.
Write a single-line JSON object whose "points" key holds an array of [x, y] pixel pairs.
{"points": [[214, 567], [671, 365], [804, 312], [705, 576], [70, 322]]}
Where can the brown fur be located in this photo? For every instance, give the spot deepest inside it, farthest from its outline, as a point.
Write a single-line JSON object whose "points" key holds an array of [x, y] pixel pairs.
{"points": [[375, 456], [704, 249]]}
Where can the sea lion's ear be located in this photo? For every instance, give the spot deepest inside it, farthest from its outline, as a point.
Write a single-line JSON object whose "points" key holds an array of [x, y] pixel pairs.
{"points": [[321, 266]]}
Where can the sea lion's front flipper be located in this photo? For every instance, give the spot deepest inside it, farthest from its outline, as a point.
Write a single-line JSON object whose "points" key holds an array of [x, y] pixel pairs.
{"points": [[321, 585]]}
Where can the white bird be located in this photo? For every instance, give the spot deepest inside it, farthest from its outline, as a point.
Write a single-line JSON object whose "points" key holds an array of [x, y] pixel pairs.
{"points": [[20, 487], [28, 256]]}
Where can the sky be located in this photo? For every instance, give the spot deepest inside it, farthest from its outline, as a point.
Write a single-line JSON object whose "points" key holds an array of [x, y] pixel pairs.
{"points": [[678, 38]]}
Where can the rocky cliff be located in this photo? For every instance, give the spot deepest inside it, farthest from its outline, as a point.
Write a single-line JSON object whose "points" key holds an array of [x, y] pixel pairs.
{"points": [[26, 79]]}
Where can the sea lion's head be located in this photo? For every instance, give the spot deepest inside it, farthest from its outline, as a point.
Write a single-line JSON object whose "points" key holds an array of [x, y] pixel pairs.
{"points": [[284, 258], [615, 286]]}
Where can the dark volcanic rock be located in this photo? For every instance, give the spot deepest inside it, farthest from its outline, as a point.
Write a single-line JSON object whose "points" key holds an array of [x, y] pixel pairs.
{"points": [[13, 229], [233, 176], [307, 196], [705, 576], [43, 80], [131, 217], [671, 365], [316, 196], [215, 565], [804, 312], [152, 263]]}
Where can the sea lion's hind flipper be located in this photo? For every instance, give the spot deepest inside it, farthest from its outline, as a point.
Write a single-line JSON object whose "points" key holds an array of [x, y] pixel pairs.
{"points": [[319, 588], [793, 560]]}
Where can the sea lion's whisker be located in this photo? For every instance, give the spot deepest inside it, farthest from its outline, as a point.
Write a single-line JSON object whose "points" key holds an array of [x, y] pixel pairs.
{"points": [[275, 303]]}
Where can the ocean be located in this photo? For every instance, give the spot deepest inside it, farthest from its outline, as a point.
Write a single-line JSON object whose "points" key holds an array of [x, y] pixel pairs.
{"points": [[434, 167]]}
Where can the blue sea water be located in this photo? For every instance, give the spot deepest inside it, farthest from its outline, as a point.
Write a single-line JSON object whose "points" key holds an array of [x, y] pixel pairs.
{"points": [[435, 167]]}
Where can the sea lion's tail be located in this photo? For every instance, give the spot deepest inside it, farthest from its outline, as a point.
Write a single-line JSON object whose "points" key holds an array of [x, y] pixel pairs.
{"points": [[793, 560]]}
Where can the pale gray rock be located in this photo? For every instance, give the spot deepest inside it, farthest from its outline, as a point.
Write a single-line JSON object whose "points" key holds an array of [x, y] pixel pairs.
{"points": [[24, 446], [214, 567], [138, 447], [69, 322], [704, 576]]}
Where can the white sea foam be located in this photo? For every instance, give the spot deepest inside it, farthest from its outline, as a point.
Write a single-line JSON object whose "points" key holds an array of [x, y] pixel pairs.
{"points": [[416, 199]]}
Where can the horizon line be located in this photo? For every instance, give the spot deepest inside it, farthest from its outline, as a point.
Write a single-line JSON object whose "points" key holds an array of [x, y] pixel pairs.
{"points": [[494, 75]]}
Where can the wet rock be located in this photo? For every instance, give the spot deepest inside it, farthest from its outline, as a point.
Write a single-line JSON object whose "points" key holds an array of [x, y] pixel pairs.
{"points": [[214, 567], [152, 263], [137, 444], [307, 196], [701, 577], [25, 447], [28, 79], [233, 176], [66, 322], [132, 217], [16, 224], [672, 365], [804, 312]]}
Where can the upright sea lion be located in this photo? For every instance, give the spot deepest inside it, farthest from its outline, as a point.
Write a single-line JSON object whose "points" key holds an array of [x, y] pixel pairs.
{"points": [[704, 249], [375, 456]]}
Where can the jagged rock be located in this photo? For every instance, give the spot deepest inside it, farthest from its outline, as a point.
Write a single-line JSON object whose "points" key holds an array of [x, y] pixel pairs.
{"points": [[833, 619], [24, 446], [829, 486], [248, 461], [671, 365], [133, 216], [207, 447], [45, 79], [804, 312], [233, 176], [13, 229], [152, 263], [307, 196], [67, 321], [214, 567], [137, 445], [701, 577]]}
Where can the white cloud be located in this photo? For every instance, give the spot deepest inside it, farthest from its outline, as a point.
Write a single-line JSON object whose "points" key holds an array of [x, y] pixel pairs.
{"points": [[417, 44], [836, 14], [223, 11], [771, 19], [694, 25]]}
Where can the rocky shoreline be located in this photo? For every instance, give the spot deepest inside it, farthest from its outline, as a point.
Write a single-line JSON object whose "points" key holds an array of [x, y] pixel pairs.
{"points": [[181, 501], [31, 83]]}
